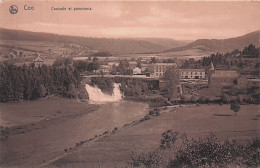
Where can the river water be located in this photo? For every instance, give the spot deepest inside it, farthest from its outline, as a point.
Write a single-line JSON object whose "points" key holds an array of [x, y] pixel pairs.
{"points": [[34, 148]]}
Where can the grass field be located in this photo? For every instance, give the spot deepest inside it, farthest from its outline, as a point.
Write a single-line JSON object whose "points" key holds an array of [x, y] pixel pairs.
{"points": [[20, 113], [22, 117], [196, 121]]}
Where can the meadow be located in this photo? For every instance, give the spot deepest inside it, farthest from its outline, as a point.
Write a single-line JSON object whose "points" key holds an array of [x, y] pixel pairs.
{"points": [[194, 121]]}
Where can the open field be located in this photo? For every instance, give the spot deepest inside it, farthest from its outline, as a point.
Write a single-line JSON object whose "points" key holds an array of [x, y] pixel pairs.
{"points": [[115, 150], [40, 113]]}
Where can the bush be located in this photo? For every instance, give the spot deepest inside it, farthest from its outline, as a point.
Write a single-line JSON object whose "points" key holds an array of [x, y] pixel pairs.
{"points": [[201, 152], [235, 107], [154, 112], [209, 152], [168, 139], [150, 159], [146, 117]]}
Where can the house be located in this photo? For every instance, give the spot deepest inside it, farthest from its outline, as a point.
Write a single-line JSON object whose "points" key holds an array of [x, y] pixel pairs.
{"points": [[158, 69], [132, 64], [38, 61], [113, 63], [192, 74], [137, 71], [105, 68], [253, 82], [221, 78]]}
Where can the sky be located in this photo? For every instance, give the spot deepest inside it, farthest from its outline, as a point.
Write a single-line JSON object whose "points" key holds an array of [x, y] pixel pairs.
{"points": [[181, 20]]}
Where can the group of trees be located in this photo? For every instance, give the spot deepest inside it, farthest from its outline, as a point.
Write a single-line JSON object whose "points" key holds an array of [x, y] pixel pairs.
{"points": [[83, 66], [204, 151], [251, 51], [223, 60], [122, 68], [157, 60], [30, 82], [102, 54], [134, 88]]}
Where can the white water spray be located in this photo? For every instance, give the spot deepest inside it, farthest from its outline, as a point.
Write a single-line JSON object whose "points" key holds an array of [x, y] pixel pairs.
{"points": [[96, 95]]}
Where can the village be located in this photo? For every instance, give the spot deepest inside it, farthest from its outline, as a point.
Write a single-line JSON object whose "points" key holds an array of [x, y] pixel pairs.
{"points": [[209, 82], [149, 84]]}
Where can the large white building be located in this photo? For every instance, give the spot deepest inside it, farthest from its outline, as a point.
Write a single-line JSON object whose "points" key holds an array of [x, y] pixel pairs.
{"points": [[192, 73], [160, 68]]}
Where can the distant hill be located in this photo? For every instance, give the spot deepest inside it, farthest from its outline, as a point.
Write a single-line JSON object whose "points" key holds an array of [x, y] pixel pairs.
{"points": [[167, 42], [224, 45], [115, 46]]}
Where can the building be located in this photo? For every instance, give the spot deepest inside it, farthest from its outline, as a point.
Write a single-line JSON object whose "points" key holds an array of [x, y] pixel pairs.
{"points": [[253, 83], [211, 70], [113, 63], [132, 64], [38, 61], [144, 68], [221, 78], [158, 69], [137, 71], [192, 74], [105, 68]]}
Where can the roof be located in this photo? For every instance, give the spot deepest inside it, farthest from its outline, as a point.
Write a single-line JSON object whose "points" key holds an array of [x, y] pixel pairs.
{"points": [[254, 80], [113, 63], [193, 70], [105, 66], [225, 74], [211, 66], [136, 68], [132, 62], [38, 59], [170, 64]]}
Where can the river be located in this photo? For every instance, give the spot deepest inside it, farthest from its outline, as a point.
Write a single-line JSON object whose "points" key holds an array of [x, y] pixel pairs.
{"points": [[34, 148]]}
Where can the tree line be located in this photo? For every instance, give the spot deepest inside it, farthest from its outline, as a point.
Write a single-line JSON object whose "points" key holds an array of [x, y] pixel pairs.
{"points": [[224, 60], [31, 82]]}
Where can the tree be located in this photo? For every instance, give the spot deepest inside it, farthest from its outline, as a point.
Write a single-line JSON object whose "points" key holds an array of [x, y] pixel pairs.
{"points": [[172, 75], [153, 60], [95, 59], [168, 139], [20, 53], [235, 107]]}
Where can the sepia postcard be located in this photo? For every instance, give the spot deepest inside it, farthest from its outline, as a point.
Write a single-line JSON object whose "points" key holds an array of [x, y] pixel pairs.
{"points": [[129, 84]]}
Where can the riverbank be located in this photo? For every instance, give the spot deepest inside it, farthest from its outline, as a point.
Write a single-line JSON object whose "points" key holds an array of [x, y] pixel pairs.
{"points": [[36, 147], [22, 117], [196, 121], [153, 100]]}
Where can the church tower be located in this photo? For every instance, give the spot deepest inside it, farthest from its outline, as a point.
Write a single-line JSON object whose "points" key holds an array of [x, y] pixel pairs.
{"points": [[211, 71]]}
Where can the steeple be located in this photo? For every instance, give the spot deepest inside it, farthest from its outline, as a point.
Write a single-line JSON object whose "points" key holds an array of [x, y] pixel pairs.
{"points": [[211, 66]]}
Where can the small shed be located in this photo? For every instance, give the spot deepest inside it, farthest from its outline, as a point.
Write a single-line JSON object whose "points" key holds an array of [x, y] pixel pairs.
{"points": [[38, 61], [137, 71]]}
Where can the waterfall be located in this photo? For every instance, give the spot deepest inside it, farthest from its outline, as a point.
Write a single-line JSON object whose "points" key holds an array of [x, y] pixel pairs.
{"points": [[96, 95]]}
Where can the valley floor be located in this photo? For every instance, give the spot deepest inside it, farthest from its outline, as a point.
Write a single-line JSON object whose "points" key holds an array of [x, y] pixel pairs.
{"points": [[196, 121]]}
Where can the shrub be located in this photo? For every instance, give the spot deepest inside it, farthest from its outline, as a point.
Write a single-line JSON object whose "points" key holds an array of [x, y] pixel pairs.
{"points": [[146, 117], [150, 159], [168, 139], [209, 152], [235, 107], [200, 152]]}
